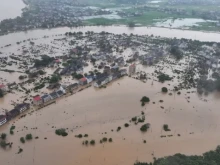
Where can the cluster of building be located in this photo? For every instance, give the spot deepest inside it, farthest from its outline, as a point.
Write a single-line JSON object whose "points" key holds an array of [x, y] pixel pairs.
{"points": [[18, 109], [38, 100]]}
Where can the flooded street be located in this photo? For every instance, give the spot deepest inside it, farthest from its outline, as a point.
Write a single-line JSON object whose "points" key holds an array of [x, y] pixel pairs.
{"points": [[10, 8], [95, 112]]}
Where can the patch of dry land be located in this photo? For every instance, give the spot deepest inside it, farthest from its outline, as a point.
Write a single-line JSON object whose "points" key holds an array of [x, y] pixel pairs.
{"points": [[98, 112]]}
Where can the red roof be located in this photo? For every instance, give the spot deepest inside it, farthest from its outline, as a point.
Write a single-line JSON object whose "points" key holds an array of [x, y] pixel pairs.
{"points": [[2, 85], [57, 60], [83, 79], [37, 98]]}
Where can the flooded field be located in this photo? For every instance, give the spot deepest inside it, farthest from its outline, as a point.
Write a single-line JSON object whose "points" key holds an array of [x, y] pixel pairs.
{"points": [[184, 23], [95, 112]]}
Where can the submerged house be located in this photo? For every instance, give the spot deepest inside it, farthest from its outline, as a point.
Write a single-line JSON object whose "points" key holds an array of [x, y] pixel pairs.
{"points": [[72, 87], [37, 100], [11, 114], [83, 81], [123, 72], [102, 81], [46, 98], [54, 95], [3, 87], [22, 107], [3, 119]]}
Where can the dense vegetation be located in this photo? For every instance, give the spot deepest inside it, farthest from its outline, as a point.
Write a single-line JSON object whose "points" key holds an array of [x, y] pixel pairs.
{"points": [[163, 77], [208, 158], [46, 60], [61, 132]]}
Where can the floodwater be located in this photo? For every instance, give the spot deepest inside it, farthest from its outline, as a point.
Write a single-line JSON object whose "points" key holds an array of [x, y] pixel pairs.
{"points": [[95, 112], [163, 32], [10, 8], [178, 23], [109, 16]]}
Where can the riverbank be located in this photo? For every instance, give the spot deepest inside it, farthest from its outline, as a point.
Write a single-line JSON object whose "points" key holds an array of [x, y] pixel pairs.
{"points": [[12, 38]]}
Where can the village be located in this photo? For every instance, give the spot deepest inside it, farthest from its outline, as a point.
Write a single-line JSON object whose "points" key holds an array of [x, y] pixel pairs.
{"points": [[51, 84], [50, 76]]}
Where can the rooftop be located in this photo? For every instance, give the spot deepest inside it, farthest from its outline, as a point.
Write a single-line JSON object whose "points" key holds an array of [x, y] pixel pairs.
{"points": [[83, 79], [2, 117], [2, 86], [37, 98]]}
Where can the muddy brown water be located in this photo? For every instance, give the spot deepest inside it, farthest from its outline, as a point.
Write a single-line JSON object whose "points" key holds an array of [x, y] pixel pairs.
{"points": [[12, 38], [95, 112]]}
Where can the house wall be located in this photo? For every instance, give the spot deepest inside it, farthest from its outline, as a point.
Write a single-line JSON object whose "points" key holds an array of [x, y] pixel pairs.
{"points": [[37, 102], [3, 122]]}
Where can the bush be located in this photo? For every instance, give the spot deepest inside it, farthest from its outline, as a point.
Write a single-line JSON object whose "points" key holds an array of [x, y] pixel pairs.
{"points": [[41, 72], [92, 142], [163, 77], [3, 144], [79, 136], [11, 132], [126, 125], [166, 127], [144, 141], [119, 128], [86, 142], [61, 132], [145, 127], [179, 93], [3, 136], [145, 99], [104, 139], [22, 140], [134, 118], [86, 135], [21, 77], [110, 140], [20, 150], [164, 90], [29, 137], [12, 127]]}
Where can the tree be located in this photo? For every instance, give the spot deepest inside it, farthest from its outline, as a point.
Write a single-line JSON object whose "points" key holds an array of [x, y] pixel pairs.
{"points": [[145, 127], [3, 144], [163, 77], [3, 136], [145, 99], [92, 142], [176, 52], [164, 90], [166, 127], [29, 137], [22, 140], [55, 78]]}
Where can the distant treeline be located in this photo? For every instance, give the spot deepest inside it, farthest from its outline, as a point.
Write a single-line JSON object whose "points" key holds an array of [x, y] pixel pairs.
{"points": [[208, 158]]}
